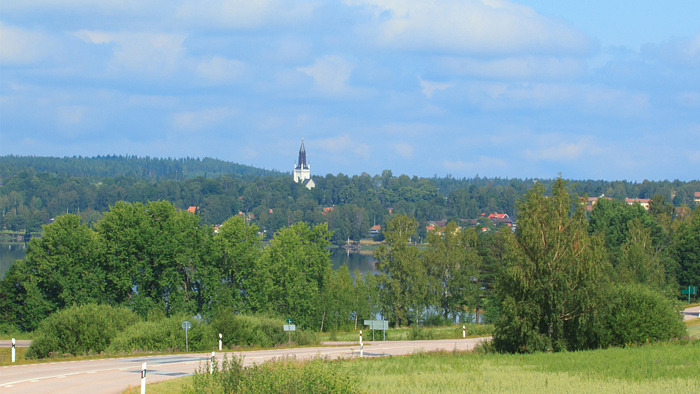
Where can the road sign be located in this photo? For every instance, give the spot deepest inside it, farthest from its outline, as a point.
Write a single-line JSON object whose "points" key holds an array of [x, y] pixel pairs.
{"points": [[186, 325], [289, 320], [290, 327], [377, 324], [690, 290]]}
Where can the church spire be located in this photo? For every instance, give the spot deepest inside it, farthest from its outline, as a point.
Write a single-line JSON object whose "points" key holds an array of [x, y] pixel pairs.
{"points": [[301, 164]]}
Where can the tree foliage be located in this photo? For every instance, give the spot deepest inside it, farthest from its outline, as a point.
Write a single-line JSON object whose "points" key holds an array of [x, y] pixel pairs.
{"points": [[553, 268]]}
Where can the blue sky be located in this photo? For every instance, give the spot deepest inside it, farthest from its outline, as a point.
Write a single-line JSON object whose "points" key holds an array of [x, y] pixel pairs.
{"points": [[591, 90]]}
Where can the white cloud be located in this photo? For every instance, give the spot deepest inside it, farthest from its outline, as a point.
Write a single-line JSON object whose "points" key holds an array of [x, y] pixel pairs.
{"points": [[481, 163], [472, 26], [344, 143], [145, 53], [404, 150], [203, 119], [20, 46], [561, 151], [244, 14], [221, 70], [428, 88], [330, 74], [525, 67]]}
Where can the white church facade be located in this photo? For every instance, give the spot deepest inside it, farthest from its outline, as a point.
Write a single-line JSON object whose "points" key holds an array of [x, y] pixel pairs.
{"points": [[302, 172]]}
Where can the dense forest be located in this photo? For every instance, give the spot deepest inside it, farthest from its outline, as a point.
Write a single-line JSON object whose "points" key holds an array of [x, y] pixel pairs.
{"points": [[33, 190]]}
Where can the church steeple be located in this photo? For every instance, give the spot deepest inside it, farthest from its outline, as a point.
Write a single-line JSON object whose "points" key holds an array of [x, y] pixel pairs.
{"points": [[301, 164], [302, 173]]}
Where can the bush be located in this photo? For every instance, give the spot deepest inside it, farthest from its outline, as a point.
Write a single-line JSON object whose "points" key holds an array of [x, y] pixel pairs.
{"points": [[78, 330], [165, 334], [635, 314], [244, 330], [282, 376]]}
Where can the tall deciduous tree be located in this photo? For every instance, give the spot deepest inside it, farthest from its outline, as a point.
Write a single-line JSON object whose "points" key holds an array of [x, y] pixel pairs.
{"points": [[549, 284], [65, 263], [298, 263], [452, 265], [403, 279]]}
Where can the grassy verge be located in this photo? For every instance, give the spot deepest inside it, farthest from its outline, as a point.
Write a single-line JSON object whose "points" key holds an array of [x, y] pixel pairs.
{"points": [[653, 368], [164, 387], [693, 327], [665, 367], [6, 355]]}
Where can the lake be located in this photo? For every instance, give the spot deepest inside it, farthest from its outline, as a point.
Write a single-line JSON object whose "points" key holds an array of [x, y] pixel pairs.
{"points": [[8, 254], [355, 261]]}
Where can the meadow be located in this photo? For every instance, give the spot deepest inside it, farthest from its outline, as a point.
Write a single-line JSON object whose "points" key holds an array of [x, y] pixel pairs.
{"points": [[662, 367]]}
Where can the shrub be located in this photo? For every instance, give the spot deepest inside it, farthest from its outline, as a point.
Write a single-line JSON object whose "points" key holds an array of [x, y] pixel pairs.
{"points": [[635, 314], [245, 330], [282, 376], [165, 334], [80, 330]]}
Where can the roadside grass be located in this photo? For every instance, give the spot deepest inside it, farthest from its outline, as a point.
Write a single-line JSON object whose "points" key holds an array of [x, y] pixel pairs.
{"points": [[6, 355], [693, 327], [661, 367], [410, 333], [165, 387], [650, 368]]}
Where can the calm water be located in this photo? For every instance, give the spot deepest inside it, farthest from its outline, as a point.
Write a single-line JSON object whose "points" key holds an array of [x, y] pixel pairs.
{"points": [[363, 262], [8, 254]]}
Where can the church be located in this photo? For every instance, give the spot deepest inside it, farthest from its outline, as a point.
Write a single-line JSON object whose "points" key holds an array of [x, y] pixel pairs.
{"points": [[302, 173]]}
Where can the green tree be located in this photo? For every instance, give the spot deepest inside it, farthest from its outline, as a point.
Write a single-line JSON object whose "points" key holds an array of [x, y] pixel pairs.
{"points": [[452, 266], [298, 263], [235, 253], [685, 250], [552, 270], [65, 262], [403, 279]]}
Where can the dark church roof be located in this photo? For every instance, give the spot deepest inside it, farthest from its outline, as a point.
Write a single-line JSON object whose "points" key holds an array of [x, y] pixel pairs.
{"points": [[301, 164]]}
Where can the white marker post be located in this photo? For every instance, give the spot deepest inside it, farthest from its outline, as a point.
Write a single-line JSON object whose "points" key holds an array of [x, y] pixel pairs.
{"points": [[143, 378], [220, 341], [464, 331], [362, 345], [13, 349], [211, 363]]}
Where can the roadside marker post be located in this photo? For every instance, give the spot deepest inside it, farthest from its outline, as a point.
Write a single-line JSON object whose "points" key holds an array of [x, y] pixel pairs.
{"points": [[362, 345], [13, 349], [220, 337], [143, 378], [464, 331]]}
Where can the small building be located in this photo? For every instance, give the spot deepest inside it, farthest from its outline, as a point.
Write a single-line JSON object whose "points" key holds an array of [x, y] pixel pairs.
{"points": [[375, 230], [697, 197], [644, 202], [193, 209]]}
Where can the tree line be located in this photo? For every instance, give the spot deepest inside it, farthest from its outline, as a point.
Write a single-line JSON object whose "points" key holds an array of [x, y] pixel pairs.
{"points": [[33, 190], [555, 284]]}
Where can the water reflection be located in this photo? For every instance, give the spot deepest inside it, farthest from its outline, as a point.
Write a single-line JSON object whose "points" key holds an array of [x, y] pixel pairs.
{"points": [[9, 253], [364, 262]]}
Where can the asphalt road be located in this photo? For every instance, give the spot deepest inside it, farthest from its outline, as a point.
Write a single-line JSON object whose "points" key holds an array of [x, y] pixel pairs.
{"points": [[116, 374]]}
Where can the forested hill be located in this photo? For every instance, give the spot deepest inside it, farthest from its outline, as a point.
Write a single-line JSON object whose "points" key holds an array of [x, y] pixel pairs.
{"points": [[33, 190], [129, 166]]}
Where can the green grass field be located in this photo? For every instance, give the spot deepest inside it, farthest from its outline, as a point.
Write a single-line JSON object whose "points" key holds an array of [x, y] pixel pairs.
{"points": [[667, 367], [406, 333]]}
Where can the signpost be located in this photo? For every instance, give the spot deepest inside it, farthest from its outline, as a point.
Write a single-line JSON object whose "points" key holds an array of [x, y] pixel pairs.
{"points": [[289, 327], [186, 325], [690, 290], [377, 325]]}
